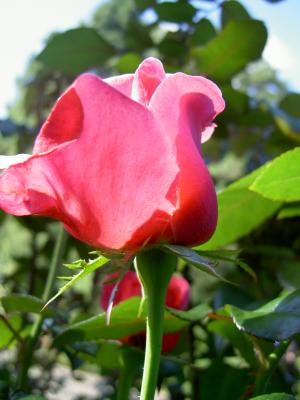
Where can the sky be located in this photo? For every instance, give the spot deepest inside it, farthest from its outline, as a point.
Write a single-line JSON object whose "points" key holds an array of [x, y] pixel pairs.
{"points": [[25, 24]]}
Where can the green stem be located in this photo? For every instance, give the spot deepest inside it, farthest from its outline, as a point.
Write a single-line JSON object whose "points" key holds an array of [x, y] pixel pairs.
{"points": [[264, 376], [155, 269], [125, 383], [131, 361], [36, 328]]}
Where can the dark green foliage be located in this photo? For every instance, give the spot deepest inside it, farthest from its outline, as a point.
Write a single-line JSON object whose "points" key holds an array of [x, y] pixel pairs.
{"points": [[75, 50]]}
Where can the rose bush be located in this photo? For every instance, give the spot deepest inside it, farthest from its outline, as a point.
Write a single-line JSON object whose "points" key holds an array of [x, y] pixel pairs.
{"points": [[178, 294], [119, 161]]}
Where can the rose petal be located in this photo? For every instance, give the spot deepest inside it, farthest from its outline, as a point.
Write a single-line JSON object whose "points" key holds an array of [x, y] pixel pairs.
{"points": [[128, 287], [63, 124], [178, 293], [194, 101], [200, 97], [106, 184], [123, 83], [147, 77]]}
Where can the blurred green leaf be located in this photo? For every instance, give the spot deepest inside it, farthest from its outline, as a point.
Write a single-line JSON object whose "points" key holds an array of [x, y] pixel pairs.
{"points": [[222, 382], [274, 396], [288, 125], [233, 10], [238, 339], [180, 11], [289, 273], [172, 46], [6, 334], [204, 31], [194, 314], [126, 319], [291, 104], [277, 320], [112, 19], [287, 116], [108, 355], [280, 180], [75, 51], [24, 303], [289, 210], [226, 54], [240, 211], [128, 62]]}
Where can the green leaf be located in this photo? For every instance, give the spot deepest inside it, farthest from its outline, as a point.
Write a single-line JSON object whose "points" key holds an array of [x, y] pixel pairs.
{"points": [[175, 12], [126, 319], [203, 33], [108, 355], [240, 212], [287, 116], [281, 178], [233, 10], [277, 320], [193, 258], [222, 382], [274, 396], [237, 338], [291, 104], [128, 62], [113, 355], [88, 268], [75, 51], [289, 273], [194, 314], [24, 303], [289, 210], [6, 334], [226, 54], [172, 46], [230, 256]]}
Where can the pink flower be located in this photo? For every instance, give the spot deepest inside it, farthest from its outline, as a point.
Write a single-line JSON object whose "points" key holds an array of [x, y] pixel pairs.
{"points": [[178, 294], [119, 162]]}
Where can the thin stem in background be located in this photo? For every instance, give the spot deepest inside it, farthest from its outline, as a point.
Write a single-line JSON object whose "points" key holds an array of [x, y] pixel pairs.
{"points": [[131, 362], [26, 358], [264, 375]]}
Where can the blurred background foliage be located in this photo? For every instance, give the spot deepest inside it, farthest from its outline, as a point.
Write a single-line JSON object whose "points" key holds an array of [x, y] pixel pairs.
{"points": [[262, 120]]}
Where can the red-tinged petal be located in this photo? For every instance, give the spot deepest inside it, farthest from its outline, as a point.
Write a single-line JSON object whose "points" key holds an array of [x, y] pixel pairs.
{"points": [[128, 287], [106, 185], [170, 341], [63, 124], [22, 190], [178, 293], [147, 78], [123, 83], [195, 102], [200, 98]]}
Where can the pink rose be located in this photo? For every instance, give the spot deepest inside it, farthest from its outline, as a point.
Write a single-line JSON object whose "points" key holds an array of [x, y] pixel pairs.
{"points": [[119, 162], [178, 294]]}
